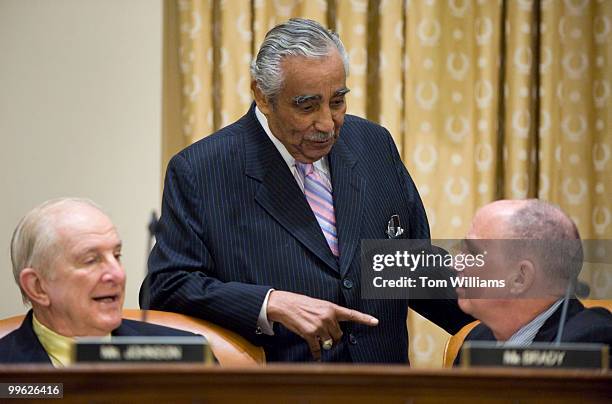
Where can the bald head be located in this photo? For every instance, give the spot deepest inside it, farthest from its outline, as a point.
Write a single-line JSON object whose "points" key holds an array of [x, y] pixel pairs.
{"points": [[493, 221], [530, 219], [558, 247], [534, 248], [539, 220]]}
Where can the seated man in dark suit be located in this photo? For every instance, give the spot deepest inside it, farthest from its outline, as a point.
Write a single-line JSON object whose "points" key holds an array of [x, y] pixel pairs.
{"points": [[66, 257], [535, 248]]}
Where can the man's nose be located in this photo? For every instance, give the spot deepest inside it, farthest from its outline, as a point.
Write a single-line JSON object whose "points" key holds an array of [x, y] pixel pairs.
{"points": [[325, 120], [114, 271]]}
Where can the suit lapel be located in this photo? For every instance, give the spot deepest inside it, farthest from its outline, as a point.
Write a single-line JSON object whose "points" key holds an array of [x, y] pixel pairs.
{"points": [[124, 329], [28, 347], [279, 193], [348, 190], [548, 331]]}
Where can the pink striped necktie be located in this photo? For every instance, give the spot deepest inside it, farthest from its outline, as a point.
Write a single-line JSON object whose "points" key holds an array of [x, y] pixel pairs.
{"points": [[319, 196]]}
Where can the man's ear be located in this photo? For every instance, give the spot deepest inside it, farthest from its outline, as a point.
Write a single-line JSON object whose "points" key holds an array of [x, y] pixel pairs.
{"points": [[522, 278], [264, 105], [34, 286]]}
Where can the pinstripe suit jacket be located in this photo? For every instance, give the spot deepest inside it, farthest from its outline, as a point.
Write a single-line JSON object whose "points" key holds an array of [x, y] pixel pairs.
{"points": [[235, 223]]}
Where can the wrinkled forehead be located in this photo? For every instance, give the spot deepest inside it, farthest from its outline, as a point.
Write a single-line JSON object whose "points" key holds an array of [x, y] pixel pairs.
{"points": [[80, 224]]}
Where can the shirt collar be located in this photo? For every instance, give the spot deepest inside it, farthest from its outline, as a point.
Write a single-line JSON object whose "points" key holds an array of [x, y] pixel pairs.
{"points": [[320, 165], [527, 333], [58, 347]]}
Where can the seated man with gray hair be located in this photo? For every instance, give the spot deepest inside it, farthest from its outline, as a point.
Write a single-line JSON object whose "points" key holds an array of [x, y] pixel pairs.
{"points": [[535, 249], [66, 257]]}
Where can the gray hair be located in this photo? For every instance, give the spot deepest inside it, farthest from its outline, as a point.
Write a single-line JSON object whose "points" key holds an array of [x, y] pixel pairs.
{"points": [[296, 37], [542, 221], [35, 243], [552, 235]]}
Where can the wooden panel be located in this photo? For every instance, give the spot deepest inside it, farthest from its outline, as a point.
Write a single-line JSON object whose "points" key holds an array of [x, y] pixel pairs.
{"points": [[317, 384]]}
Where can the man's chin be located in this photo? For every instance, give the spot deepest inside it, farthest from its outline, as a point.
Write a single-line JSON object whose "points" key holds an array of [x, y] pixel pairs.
{"points": [[110, 324], [108, 321], [317, 151], [464, 305]]}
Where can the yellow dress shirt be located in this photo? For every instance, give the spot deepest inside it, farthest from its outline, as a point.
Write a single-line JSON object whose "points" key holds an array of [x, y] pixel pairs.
{"points": [[57, 346]]}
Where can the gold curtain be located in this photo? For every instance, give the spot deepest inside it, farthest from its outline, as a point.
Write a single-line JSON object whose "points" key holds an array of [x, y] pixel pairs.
{"points": [[485, 99]]}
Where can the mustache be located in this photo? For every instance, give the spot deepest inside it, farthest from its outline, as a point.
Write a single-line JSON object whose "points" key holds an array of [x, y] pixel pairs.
{"points": [[320, 136]]}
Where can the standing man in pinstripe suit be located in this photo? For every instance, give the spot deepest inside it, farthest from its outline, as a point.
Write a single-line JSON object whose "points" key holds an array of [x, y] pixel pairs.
{"points": [[262, 221]]}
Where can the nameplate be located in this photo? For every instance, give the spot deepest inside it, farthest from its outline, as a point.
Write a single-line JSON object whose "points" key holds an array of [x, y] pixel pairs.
{"points": [[142, 349], [536, 355]]}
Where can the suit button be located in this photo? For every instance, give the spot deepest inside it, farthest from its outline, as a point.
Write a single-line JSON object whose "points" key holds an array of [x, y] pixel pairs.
{"points": [[347, 283], [352, 339]]}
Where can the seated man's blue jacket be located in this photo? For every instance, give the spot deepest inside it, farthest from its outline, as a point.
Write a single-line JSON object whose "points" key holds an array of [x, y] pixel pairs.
{"points": [[23, 346], [593, 325]]}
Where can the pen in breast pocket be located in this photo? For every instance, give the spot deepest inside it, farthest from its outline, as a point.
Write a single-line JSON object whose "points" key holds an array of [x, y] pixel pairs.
{"points": [[394, 228]]}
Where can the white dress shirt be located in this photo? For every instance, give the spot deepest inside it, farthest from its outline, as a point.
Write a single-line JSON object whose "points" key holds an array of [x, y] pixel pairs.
{"points": [[527, 333]]}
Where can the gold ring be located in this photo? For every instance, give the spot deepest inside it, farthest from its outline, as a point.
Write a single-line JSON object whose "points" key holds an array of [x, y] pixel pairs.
{"points": [[327, 344]]}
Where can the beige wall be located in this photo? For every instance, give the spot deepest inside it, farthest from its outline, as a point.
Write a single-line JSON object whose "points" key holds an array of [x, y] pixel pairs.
{"points": [[80, 105]]}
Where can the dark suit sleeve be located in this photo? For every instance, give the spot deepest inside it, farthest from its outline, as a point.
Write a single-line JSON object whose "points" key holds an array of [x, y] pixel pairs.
{"points": [[182, 274], [443, 312]]}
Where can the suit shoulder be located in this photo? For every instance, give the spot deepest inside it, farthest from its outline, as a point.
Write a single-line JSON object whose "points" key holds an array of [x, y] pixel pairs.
{"points": [[212, 146], [365, 137], [20, 347], [594, 323], [6, 344], [480, 333], [221, 143], [133, 327], [363, 126], [594, 315]]}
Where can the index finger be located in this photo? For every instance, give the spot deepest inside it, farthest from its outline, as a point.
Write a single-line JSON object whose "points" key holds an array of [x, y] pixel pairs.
{"points": [[345, 314]]}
